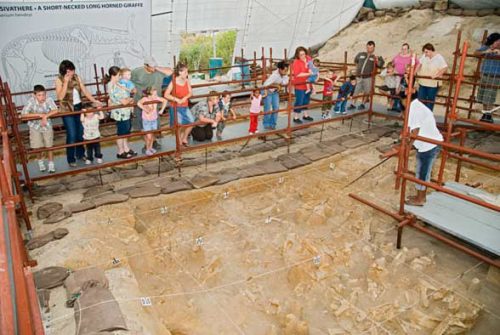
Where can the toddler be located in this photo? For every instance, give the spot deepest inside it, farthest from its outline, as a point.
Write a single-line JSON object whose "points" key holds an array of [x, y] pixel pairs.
{"points": [[313, 66], [126, 82], [225, 109], [90, 123], [255, 101], [328, 83]]}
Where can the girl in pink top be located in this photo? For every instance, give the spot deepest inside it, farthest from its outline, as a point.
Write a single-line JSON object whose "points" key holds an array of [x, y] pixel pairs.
{"points": [[149, 106], [255, 100], [402, 59]]}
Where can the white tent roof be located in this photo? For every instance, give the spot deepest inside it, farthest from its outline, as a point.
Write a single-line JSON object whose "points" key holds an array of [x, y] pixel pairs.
{"points": [[277, 24]]}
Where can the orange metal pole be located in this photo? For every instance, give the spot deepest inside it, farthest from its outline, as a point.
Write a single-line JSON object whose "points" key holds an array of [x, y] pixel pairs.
{"points": [[452, 116], [452, 76]]}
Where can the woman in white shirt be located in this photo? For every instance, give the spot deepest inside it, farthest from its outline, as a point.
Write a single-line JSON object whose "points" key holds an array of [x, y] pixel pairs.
{"points": [[69, 91], [434, 66]]}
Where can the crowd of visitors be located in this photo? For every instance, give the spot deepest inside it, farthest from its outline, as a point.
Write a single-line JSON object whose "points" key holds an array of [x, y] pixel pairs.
{"points": [[141, 100]]}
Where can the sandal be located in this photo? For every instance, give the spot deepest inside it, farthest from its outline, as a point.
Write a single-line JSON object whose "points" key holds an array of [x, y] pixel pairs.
{"points": [[413, 202], [124, 155], [132, 152]]}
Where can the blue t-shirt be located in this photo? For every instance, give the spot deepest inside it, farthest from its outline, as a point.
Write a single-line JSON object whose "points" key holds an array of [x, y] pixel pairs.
{"points": [[129, 85], [490, 66], [346, 89]]}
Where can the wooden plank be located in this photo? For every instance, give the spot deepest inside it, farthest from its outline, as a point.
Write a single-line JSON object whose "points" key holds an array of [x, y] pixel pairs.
{"points": [[470, 222]]}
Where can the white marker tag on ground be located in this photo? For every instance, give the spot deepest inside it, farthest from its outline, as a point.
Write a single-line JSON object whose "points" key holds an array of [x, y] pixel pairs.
{"points": [[226, 195], [146, 301], [268, 220], [199, 241], [281, 180], [164, 210], [317, 260], [116, 261]]}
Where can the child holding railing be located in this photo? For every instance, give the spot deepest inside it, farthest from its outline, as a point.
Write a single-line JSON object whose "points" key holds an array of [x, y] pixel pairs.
{"points": [[90, 123], [38, 111], [255, 101], [150, 116]]}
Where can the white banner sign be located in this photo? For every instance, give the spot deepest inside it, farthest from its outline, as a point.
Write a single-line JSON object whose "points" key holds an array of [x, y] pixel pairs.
{"points": [[36, 36]]}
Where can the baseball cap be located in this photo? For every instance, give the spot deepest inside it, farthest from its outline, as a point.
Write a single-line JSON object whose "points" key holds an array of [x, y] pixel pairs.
{"points": [[149, 60]]}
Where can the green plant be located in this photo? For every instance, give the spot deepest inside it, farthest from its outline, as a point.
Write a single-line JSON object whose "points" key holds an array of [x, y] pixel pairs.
{"points": [[196, 49]]}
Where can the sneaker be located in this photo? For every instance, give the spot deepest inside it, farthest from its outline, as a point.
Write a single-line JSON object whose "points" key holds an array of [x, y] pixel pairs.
{"points": [[99, 160], [73, 164], [256, 131], [149, 152], [219, 138], [343, 113], [88, 162], [132, 153], [41, 166], [123, 155], [361, 107], [351, 106], [486, 118], [52, 167], [152, 150], [297, 121], [250, 133], [323, 116], [307, 118]]}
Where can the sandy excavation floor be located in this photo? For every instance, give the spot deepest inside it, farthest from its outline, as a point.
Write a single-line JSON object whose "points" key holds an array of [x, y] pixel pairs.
{"points": [[287, 253]]}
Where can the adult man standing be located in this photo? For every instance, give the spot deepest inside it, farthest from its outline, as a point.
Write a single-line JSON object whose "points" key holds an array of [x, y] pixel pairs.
{"points": [[365, 63], [149, 75], [422, 123], [490, 75], [277, 79]]}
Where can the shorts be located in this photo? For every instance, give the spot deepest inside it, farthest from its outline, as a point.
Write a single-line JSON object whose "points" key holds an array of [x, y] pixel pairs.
{"points": [[487, 90], [41, 139], [363, 85], [184, 116], [312, 78], [327, 102], [148, 125], [123, 127]]}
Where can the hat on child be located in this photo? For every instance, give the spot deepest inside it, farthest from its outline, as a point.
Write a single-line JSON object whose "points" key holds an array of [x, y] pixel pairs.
{"points": [[149, 60]]}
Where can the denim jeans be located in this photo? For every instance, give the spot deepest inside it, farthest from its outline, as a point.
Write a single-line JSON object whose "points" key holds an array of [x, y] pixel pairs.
{"points": [[425, 161], [301, 98], [93, 149], [271, 102], [340, 105], [427, 93], [74, 134]]}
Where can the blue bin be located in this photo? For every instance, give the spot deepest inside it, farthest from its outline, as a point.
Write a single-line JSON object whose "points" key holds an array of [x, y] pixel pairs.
{"points": [[244, 73], [214, 63]]}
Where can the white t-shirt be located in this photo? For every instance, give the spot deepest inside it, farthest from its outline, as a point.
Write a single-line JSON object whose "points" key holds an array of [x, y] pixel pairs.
{"points": [[76, 97], [421, 117]]}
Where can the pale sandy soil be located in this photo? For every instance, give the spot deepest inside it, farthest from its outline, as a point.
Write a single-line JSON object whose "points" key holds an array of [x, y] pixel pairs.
{"points": [[255, 270]]}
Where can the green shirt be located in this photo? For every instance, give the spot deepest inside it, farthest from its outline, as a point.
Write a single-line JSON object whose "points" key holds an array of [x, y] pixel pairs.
{"points": [[143, 79]]}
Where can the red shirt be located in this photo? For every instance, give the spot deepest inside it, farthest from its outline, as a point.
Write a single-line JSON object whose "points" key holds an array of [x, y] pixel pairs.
{"points": [[180, 91], [299, 67], [328, 86]]}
